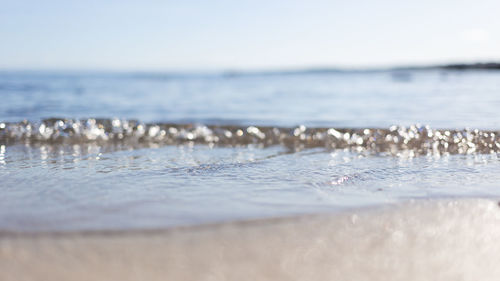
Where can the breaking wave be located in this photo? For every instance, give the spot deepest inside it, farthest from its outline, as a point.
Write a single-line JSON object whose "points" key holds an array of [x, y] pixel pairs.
{"points": [[412, 140]]}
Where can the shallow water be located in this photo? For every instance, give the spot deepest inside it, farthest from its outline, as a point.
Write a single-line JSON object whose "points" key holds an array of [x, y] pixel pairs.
{"points": [[119, 174], [441, 99]]}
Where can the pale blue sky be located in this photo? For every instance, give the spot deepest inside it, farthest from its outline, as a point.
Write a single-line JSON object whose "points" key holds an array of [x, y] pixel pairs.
{"points": [[254, 34]]}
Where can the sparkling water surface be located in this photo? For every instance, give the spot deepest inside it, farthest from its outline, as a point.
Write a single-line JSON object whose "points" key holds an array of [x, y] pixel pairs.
{"points": [[87, 185]]}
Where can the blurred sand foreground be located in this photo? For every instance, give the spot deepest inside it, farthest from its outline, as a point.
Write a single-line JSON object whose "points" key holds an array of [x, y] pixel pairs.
{"points": [[420, 240]]}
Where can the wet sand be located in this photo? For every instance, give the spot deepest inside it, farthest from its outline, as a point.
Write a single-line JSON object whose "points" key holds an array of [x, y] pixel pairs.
{"points": [[420, 240]]}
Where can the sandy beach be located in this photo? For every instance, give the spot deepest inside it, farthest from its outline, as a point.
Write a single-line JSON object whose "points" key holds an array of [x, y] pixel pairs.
{"points": [[249, 140], [417, 240]]}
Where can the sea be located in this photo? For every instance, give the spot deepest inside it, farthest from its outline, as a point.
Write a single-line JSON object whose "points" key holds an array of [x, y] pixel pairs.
{"points": [[94, 151]]}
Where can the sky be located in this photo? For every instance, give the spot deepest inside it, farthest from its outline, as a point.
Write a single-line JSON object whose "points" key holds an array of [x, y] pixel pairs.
{"points": [[240, 35]]}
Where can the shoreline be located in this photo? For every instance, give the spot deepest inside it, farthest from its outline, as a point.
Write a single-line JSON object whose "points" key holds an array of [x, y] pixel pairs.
{"points": [[417, 240]]}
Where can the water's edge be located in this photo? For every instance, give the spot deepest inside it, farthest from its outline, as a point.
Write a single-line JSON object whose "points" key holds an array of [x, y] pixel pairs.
{"points": [[373, 242]]}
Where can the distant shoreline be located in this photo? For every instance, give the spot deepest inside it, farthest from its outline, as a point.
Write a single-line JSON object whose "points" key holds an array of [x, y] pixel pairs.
{"points": [[458, 66], [490, 65], [171, 73]]}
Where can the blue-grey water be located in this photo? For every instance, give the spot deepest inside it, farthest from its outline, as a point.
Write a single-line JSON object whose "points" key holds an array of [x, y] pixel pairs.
{"points": [[213, 147]]}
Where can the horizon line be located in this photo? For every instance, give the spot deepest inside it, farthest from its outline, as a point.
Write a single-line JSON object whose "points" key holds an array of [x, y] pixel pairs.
{"points": [[478, 65]]}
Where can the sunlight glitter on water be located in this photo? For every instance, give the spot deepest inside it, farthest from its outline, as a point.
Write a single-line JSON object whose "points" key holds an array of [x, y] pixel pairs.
{"points": [[212, 149]]}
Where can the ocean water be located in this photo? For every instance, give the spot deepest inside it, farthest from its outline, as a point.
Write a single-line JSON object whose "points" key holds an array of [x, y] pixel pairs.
{"points": [[100, 151]]}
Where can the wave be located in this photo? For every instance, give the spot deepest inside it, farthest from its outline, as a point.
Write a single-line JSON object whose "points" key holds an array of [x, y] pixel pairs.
{"points": [[412, 140]]}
